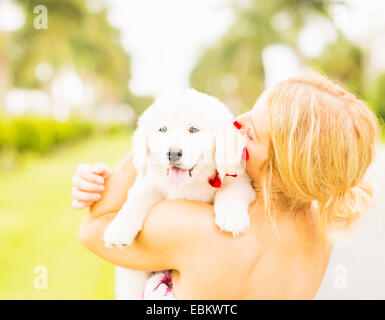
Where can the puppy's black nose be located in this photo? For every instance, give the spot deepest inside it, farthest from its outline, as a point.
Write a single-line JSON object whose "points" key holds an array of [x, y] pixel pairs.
{"points": [[174, 155]]}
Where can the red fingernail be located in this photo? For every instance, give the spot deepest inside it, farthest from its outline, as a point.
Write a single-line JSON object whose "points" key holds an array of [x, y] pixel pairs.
{"points": [[245, 154], [237, 125], [214, 181]]}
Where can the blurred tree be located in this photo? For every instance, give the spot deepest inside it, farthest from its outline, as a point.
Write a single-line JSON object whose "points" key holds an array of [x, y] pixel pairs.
{"points": [[4, 71], [233, 70], [75, 38], [342, 60], [377, 96]]}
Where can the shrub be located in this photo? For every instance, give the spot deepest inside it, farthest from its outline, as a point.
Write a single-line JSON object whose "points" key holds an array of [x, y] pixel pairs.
{"points": [[40, 134]]}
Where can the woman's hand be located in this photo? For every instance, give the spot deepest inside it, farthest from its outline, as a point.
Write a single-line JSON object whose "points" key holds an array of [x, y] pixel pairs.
{"points": [[88, 184]]}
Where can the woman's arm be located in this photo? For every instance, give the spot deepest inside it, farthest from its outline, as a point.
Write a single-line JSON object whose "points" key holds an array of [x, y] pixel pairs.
{"points": [[172, 230], [116, 187]]}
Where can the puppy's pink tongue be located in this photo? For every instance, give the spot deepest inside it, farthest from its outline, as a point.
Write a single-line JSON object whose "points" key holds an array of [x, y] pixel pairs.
{"points": [[178, 177]]}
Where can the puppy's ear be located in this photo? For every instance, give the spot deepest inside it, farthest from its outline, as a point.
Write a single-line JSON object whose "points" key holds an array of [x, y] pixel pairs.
{"points": [[229, 144], [139, 150]]}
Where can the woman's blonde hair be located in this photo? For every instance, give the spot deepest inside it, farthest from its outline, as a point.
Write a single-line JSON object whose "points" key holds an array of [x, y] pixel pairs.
{"points": [[322, 142]]}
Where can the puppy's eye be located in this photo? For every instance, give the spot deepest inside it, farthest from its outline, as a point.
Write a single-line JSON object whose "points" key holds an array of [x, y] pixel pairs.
{"points": [[164, 129], [193, 129]]}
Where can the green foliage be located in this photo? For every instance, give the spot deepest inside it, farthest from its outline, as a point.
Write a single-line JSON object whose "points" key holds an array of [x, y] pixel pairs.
{"points": [[75, 39], [232, 69], [139, 104], [39, 135], [342, 60], [378, 96]]}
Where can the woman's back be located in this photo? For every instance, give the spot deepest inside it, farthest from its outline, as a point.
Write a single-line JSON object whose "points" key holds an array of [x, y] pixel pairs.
{"points": [[266, 262]]}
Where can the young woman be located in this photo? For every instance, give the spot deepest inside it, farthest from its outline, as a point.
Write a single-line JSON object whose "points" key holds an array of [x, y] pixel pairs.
{"points": [[309, 144]]}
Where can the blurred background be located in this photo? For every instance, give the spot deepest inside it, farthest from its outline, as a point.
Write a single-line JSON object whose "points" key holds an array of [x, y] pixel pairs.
{"points": [[75, 74]]}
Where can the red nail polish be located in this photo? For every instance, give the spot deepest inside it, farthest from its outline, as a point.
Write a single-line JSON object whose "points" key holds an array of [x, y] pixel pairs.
{"points": [[237, 125], [245, 154], [231, 175], [214, 181]]}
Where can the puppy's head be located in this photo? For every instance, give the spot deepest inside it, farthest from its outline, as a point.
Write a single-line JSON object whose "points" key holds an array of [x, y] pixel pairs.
{"points": [[186, 136]]}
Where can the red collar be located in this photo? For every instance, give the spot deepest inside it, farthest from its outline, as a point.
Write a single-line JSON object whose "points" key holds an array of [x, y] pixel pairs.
{"points": [[216, 182]]}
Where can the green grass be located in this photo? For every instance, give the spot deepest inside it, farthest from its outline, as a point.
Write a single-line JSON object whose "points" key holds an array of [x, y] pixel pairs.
{"points": [[39, 227]]}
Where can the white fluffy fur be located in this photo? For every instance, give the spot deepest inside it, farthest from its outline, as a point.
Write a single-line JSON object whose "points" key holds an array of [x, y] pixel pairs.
{"points": [[217, 146]]}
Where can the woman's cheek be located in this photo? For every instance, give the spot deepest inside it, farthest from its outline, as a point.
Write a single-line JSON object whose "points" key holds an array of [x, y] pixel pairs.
{"points": [[257, 156], [252, 150], [252, 162]]}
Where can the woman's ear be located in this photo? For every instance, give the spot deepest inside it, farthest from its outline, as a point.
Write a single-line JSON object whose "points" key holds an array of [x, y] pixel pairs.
{"points": [[140, 150], [229, 144]]}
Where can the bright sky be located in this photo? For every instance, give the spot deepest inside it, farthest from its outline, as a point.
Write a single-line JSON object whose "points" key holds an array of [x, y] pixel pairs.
{"points": [[165, 38], [361, 18]]}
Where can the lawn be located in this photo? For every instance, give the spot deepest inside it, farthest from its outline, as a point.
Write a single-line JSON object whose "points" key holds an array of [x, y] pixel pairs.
{"points": [[38, 227]]}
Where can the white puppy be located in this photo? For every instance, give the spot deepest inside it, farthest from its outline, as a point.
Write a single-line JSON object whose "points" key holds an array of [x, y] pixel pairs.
{"points": [[185, 147]]}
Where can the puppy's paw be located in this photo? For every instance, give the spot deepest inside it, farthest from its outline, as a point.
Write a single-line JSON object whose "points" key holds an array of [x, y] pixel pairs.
{"points": [[120, 232], [231, 219]]}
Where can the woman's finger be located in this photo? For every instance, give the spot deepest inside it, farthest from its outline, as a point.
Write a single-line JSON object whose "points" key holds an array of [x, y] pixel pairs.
{"points": [[84, 196], [84, 171], [101, 169], [86, 186], [81, 204]]}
